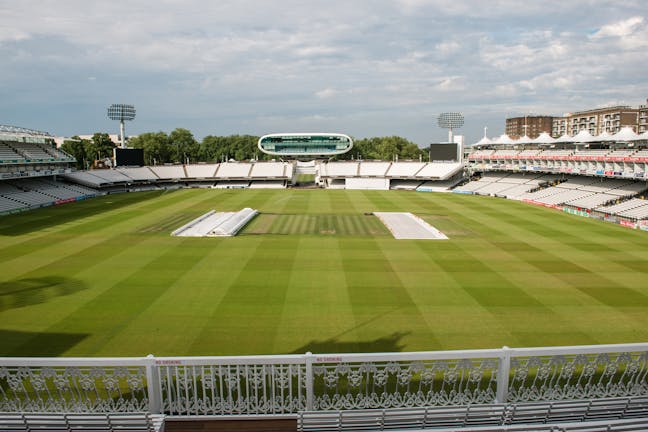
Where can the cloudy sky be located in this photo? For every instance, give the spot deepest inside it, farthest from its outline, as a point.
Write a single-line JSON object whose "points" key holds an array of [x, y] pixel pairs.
{"points": [[362, 67]]}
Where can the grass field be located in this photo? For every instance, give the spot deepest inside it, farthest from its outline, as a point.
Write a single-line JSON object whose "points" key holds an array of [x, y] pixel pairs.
{"points": [[313, 272]]}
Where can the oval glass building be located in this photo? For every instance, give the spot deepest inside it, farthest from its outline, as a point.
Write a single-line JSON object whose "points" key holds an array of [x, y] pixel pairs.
{"points": [[302, 145]]}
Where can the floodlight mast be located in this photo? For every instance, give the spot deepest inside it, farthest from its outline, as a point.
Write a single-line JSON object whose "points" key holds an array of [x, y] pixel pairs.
{"points": [[450, 121], [121, 112]]}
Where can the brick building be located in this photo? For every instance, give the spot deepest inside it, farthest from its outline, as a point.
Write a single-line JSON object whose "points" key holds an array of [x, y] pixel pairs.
{"points": [[531, 126]]}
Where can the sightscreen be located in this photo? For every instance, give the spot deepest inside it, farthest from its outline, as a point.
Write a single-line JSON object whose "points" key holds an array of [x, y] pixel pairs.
{"points": [[443, 152], [129, 157]]}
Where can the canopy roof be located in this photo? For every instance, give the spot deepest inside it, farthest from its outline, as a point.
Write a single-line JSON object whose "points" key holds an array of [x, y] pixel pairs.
{"points": [[626, 134], [564, 139], [604, 136], [503, 139], [583, 137], [484, 141], [543, 138], [524, 140]]}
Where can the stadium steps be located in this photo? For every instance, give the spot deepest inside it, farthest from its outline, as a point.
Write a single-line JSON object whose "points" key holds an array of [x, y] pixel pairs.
{"points": [[418, 171], [153, 172], [16, 150]]}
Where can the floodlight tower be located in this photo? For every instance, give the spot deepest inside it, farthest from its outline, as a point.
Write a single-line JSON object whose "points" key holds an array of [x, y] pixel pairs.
{"points": [[121, 112], [450, 120]]}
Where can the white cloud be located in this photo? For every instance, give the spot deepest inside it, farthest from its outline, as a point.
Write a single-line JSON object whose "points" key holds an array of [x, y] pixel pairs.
{"points": [[620, 28], [326, 93]]}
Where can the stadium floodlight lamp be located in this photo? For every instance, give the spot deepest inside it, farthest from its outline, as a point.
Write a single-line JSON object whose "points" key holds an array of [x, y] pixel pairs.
{"points": [[121, 113], [450, 121]]}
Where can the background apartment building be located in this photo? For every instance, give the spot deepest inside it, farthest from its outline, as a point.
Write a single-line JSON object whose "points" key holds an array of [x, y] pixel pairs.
{"points": [[595, 121], [643, 118], [531, 126]]}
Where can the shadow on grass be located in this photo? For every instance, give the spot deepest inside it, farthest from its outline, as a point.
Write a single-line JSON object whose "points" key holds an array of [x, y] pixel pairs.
{"points": [[29, 291], [34, 344], [35, 220], [390, 343]]}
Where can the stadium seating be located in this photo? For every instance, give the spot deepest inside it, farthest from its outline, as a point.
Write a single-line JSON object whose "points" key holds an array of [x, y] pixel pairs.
{"points": [[585, 192], [367, 183], [625, 206], [7, 154], [138, 173], [629, 414], [529, 153], [404, 169], [339, 169], [30, 151], [9, 205], [201, 171], [112, 176], [86, 178], [374, 169], [77, 422], [505, 153], [168, 172], [27, 193], [509, 185], [267, 170], [234, 170], [439, 170]]}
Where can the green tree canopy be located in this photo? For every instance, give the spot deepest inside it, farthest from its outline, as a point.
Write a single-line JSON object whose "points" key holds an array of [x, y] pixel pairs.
{"points": [[383, 148], [76, 147], [156, 147], [100, 146], [183, 146]]}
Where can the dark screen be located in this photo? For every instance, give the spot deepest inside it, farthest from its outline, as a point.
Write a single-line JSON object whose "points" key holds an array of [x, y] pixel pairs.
{"points": [[129, 157], [443, 152]]}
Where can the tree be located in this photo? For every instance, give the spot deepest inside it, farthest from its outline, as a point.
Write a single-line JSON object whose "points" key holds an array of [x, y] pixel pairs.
{"points": [[239, 147], [76, 147], [385, 148], [99, 147], [155, 145], [183, 146]]}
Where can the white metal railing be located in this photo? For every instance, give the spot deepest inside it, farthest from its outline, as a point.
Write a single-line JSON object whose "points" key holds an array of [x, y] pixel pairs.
{"points": [[285, 385]]}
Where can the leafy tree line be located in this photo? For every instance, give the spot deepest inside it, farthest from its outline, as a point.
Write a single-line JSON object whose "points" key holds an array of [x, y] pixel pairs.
{"points": [[180, 146], [86, 151], [384, 148]]}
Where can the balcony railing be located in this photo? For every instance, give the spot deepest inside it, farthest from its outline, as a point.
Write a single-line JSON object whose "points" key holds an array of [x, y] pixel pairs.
{"points": [[285, 385]]}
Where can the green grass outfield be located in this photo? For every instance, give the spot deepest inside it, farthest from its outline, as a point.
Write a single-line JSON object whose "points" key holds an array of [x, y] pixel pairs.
{"points": [[103, 277]]}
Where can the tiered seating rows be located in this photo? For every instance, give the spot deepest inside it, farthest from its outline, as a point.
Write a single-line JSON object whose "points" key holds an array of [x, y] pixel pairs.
{"points": [[22, 194], [585, 192], [28, 422], [224, 171], [590, 153], [423, 170], [576, 415], [509, 185], [21, 151]]}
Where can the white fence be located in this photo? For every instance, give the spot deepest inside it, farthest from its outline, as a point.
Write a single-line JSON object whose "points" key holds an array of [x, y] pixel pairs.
{"points": [[285, 385]]}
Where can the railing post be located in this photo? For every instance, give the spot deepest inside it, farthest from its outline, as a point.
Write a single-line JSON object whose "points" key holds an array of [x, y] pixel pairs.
{"points": [[503, 372], [153, 385], [309, 381]]}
